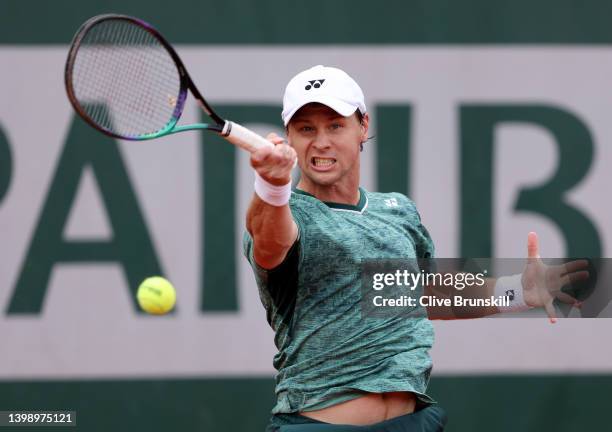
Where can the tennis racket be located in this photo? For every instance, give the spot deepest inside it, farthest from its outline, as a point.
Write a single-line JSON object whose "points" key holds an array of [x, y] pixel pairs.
{"points": [[125, 80]]}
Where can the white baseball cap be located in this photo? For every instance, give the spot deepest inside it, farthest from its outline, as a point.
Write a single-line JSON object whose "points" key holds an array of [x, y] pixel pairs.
{"points": [[326, 85]]}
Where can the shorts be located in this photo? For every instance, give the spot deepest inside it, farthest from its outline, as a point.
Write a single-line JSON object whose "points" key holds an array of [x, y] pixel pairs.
{"points": [[431, 418]]}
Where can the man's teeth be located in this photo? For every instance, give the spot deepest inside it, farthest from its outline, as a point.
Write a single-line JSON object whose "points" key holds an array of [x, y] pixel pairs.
{"points": [[321, 162]]}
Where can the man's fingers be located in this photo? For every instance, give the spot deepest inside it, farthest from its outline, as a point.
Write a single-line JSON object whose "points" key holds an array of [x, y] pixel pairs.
{"points": [[572, 266], [274, 164], [573, 277], [284, 154], [260, 155], [533, 249], [550, 311], [291, 155], [273, 155], [275, 139], [565, 298]]}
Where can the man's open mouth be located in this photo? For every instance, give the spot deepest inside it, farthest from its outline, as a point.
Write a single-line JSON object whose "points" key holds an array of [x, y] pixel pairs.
{"points": [[320, 162]]}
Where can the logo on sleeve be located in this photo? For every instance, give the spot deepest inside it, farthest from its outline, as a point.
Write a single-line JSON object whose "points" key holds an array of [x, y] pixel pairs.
{"points": [[391, 202], [314, 83]]}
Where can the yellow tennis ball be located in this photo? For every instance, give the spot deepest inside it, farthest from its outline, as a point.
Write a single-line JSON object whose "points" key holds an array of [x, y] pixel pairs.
{"points": [[156, 295]]}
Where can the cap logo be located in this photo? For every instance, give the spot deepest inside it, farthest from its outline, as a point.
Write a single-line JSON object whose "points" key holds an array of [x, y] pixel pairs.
{"points": [[314, 83]]}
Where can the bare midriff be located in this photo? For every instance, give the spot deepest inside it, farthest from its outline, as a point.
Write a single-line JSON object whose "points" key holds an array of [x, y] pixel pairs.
{"points": [[366, 410]]}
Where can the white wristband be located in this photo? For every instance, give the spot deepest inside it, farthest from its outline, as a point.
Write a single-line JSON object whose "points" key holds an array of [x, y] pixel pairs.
{"points": [[274, 195], [511, 287]]}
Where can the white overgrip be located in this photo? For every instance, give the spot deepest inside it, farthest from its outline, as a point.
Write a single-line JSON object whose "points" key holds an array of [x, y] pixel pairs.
{"points": [[243, 137]]}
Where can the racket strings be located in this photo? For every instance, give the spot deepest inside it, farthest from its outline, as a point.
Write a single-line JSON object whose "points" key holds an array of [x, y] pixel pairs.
{"points": [[125, 80]]}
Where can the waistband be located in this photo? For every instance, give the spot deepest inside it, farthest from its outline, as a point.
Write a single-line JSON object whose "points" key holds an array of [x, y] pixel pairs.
{"points": [[431, 418]]}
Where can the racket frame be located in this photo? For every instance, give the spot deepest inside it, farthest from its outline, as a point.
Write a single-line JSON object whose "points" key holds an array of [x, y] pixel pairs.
{"points": [[186, 83]]}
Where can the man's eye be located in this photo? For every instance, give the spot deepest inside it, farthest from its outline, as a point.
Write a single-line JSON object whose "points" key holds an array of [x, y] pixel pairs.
{"points": [[336, 126], [306, 128]]}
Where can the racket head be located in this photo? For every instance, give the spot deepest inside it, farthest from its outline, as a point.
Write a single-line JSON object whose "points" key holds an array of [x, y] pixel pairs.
{"points": [[124, 79]]}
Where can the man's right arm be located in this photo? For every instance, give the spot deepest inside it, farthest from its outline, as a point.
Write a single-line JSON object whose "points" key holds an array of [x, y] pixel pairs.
{"points": [[272, 226]]}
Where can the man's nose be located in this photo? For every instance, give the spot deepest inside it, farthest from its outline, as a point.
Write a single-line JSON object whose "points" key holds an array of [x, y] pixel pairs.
{"points": [[322, 141]]}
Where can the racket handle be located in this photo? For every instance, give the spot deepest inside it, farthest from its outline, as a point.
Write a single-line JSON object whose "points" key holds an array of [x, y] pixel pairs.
{"points": [[244, 138]]}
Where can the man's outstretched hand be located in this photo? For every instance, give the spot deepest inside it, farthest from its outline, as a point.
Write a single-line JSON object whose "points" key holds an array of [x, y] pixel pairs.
{"points": [[542, 283]]}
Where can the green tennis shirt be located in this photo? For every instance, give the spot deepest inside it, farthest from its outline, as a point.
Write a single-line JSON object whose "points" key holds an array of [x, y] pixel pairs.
{"points": [[327, 352]]}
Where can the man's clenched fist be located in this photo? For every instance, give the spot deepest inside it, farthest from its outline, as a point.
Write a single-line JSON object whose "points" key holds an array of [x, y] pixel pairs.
{"points": [[274, 164]]}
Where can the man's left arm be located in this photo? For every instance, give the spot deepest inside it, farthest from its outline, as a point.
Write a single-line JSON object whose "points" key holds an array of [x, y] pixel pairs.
{"points": [[538, 286]]}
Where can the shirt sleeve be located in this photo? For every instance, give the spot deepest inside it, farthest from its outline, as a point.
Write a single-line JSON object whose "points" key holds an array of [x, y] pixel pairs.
{"points": [[422, 239], [277, 286], [423, 243]]}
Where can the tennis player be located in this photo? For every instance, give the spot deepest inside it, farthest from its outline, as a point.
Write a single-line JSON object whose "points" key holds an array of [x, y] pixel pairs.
{"points": [[337, 371]]}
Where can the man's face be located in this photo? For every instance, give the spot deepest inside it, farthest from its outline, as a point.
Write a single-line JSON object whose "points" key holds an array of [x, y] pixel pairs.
{"points": [[327, 144]]}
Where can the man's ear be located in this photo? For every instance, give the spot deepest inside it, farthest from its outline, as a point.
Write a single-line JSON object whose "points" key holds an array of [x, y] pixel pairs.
{"points": [[365, 124]]}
